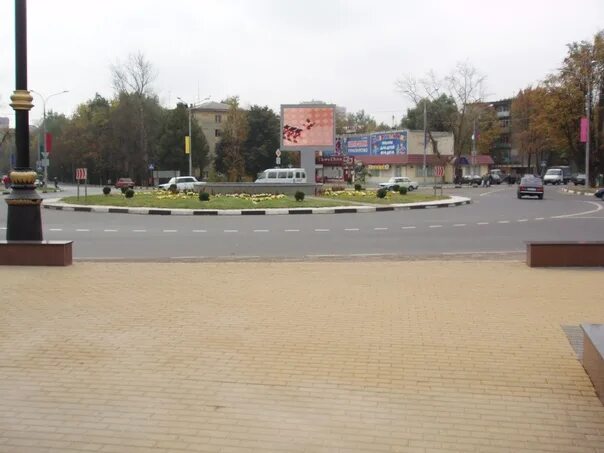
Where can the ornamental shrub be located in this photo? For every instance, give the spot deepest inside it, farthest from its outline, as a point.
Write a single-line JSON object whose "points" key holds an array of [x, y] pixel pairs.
{"points": [[129, 193], [358, 187], [106, 190], [338, 188], [396, 188], [124, 189], [381, 193], [204, 196], [403, 191], [299, 196], [173, 188]]}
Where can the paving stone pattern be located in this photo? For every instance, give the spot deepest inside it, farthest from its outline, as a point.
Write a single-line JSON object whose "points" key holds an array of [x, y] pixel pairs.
{"points": [[296, 357]]}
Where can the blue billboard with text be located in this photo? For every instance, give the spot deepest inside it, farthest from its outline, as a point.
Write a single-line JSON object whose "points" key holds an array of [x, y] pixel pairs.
{"points": [[391, 143], [358, 145]]}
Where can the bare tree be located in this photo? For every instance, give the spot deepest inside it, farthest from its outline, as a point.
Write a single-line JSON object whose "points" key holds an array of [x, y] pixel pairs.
{"points": [[464, 85], [134, 76]]}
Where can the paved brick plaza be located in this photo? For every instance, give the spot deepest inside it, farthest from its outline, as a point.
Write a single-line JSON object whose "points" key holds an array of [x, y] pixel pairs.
{"points": [[318, 357]]}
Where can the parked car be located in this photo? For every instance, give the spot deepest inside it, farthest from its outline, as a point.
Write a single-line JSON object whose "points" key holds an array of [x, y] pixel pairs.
{"points": [[600, 194], [579, 179], [553, 176], [471, 179], [183, 183], [530, 185], [124, 183], [497, 176], [39, 182], [401, 181]]}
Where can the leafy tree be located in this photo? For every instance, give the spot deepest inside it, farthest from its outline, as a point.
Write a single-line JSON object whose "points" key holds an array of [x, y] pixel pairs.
{"points": [[170, 154], [359, 123], [262, 140]]}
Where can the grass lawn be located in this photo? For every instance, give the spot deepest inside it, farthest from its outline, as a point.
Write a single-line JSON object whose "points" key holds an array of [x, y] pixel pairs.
{"points": [[162, 199]]}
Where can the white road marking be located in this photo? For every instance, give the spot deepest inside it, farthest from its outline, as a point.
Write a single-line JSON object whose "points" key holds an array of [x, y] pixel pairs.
{"points": [[598, 206], [459, 225], [435, 226], [323, 256], [292, 231], [3, 228], [55, 229], [482, 223], [522, 220], [482, 252], [351, 229], [139, 231], [370, 254], [539, 218], [261, 231], [380, 229], [82, 229], [110, 231], [321, 230], [200, 231], [408, 228], [492, 191], [231, 231], [503, 221], [170, 231]]}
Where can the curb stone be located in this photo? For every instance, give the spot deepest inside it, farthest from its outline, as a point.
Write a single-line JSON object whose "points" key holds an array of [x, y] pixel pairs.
{"points": [[453, 201], [578, 192]]}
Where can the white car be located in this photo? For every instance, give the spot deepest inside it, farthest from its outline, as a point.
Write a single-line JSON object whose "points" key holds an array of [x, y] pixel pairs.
{"points": [[553, 176], [183, 183], [401, 181]]}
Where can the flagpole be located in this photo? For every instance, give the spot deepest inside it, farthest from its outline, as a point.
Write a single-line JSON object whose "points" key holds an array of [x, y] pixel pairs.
{"points": [[425, 141]]}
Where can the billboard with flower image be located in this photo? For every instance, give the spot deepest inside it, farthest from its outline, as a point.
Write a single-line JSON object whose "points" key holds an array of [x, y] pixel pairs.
{"points": [[308, 126]]}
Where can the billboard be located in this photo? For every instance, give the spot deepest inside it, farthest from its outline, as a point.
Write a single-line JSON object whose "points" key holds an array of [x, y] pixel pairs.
{"points": [[358, 145], [308, 126], [390, 143]]}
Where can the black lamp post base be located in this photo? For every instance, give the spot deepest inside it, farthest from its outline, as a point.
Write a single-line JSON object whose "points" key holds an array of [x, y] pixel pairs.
{"points": [[24, 220]]}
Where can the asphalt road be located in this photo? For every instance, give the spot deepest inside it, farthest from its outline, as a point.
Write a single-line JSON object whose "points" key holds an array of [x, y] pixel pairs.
{"points": [[496, 223]]}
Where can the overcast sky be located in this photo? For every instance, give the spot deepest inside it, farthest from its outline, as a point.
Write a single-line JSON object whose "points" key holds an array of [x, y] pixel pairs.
{"points": [[272, 52]]}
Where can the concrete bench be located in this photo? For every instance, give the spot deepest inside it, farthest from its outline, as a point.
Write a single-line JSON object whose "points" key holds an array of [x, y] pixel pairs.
{"points": [[36, 253], [436, 188], [593, 355], [564, 254]]}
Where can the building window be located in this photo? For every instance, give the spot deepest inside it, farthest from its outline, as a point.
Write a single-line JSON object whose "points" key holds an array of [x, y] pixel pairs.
{"points": [[218, 118], [217, 133], [419, 171]]}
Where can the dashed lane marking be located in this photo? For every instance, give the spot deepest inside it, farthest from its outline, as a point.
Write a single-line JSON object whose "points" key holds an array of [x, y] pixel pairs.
{"points": [[522, 220], [292, 231], [110, 231], [170, 231], [459, 225], [230, 231], [139, 231], [503, 221], [82, 230], [200, 231], [380, 229], [539, 218], [408, 228], [482, 223], [351, 229], [435, 226], [55, 229], [261, 231], [322, 230]]}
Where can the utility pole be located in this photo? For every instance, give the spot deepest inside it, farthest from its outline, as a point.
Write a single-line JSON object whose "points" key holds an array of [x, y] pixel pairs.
{"points": [[425, 140], [474, 147], [189, 139], [587, 142]]}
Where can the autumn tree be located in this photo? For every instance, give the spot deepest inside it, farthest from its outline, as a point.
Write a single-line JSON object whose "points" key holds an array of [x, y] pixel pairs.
{"points": [[230, 159]]}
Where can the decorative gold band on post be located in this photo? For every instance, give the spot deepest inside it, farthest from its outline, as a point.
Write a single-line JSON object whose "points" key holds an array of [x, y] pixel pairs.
{"points": [[23, 201], [23, 177], [21, 100]]}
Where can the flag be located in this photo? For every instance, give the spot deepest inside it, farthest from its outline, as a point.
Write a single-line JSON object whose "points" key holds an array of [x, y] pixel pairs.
{"points": [[48, 142], [584, 129], [187, 145]]}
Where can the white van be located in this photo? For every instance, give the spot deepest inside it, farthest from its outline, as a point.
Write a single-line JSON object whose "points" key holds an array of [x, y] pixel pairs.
{"points": [[282, 176]]}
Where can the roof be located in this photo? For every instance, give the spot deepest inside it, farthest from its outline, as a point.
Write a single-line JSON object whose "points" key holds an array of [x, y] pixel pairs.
{"points": [[402, 159], [213, 106]]}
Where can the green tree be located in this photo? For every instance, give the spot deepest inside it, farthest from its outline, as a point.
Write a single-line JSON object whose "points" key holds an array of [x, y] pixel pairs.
{"points": [[262, 140], [171, 150]]}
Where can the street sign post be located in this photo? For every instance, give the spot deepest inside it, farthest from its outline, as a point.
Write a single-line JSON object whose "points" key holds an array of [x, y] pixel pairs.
{"points": [[82, 174]]}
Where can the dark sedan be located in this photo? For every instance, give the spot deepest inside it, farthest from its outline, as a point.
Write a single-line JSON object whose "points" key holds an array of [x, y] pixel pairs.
{"points": [[579, 179], [530, 186]]}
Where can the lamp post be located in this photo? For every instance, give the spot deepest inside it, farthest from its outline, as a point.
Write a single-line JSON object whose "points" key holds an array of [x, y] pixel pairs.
{"points": [[45, 152], [24, 220], [190, 107]]}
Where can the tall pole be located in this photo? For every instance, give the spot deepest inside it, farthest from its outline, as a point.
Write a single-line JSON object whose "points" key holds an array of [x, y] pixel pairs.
{"points": [[190, 143], [24, 220], [425, 140], [587, 141], [474, 147]]}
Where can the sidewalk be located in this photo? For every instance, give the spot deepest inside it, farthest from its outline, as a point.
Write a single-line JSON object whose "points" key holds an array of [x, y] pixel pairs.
{"points": [[296, 357]]}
